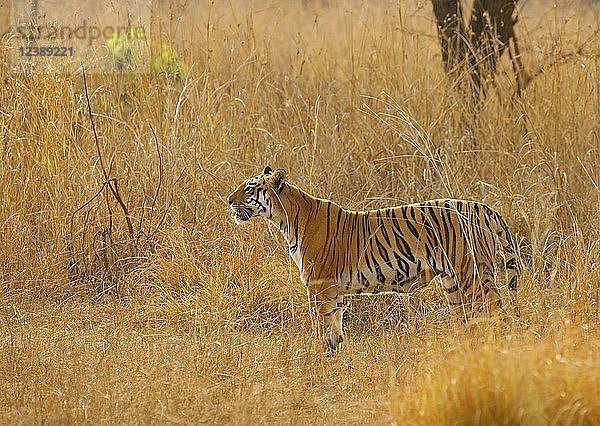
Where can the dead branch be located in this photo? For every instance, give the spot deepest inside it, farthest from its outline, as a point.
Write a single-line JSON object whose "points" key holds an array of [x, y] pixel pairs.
{"points": [[111, 183], [160, 169], [562, 59]]}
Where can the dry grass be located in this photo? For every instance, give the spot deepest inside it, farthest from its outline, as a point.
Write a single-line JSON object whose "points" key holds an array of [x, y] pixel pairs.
{"points": [[490, 380], [196, 320]]}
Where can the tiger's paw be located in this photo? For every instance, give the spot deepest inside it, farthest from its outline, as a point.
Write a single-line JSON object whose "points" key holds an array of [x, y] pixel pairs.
{"points": [[333, 343]]}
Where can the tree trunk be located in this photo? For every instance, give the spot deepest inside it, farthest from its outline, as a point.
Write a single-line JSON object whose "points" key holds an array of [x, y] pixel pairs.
{"points": [[471, 52]]}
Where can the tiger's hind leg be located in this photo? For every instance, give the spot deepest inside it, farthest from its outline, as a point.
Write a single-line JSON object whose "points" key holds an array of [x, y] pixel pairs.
{"points": [[329, 307], [455, 297], [512, 276], [469, 301], [491, 301], [454, 294], [511, 264]]}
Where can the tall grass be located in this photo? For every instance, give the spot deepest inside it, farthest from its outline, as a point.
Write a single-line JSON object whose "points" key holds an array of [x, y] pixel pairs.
{"points": [[193, 319]]}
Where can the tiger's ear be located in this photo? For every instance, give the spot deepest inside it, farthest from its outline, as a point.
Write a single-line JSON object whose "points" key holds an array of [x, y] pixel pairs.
{"points": [[277, 179], [267, 171]]}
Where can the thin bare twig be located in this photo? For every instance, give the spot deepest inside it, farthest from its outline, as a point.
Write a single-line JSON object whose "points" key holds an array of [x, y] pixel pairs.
{"points": [[160, 169], [562, 59], [83, 206], [164, 216], [89, 107], [111, 183]]}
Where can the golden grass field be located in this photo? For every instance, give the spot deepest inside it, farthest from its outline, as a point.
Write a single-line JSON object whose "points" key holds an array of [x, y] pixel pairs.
{"points": [[192, 319]]}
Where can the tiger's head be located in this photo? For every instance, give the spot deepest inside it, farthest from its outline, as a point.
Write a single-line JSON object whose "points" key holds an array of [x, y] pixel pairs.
{"points": [[257, 196]]}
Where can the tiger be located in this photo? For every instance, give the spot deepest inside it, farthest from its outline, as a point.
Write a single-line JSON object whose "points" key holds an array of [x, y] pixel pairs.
{"points": [[341, 252]]}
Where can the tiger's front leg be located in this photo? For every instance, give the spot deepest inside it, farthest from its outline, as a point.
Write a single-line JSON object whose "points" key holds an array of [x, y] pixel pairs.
{"points": [[329, 307]]}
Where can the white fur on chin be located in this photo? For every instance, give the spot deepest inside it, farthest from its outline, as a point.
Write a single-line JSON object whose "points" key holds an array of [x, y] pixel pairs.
{"points": [[239, 221]]}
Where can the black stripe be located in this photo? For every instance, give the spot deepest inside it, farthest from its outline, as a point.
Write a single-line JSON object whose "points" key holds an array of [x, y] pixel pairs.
{"points": [[402, 264], [327, 220], [371, 251], [433, 213], [384, 232], [399, 238], [347, 249], [408, 223], [382, 252], [430, 257], [343, 253], [358, 227], [452, 289], [306, 198], [332, 246], [365, 242], [448, 215], [339, 218]]}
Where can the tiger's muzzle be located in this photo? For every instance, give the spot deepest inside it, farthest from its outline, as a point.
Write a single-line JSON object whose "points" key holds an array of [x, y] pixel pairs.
{"points": [[241, 212]]}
